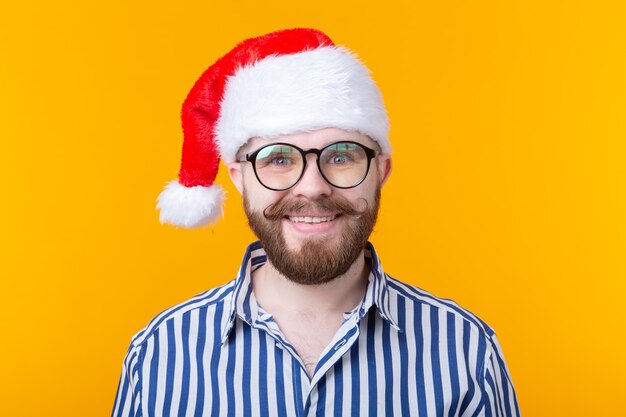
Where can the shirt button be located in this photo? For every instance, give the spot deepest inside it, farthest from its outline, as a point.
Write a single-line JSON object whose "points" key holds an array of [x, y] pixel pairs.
{"points": [[340, 343]]}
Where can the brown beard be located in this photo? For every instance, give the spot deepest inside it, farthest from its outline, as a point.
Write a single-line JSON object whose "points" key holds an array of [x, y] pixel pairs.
{"points": [[318, 261]]}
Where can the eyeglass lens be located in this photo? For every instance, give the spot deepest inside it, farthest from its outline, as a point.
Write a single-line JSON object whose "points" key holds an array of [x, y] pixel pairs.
{"points": [[342, 164]]}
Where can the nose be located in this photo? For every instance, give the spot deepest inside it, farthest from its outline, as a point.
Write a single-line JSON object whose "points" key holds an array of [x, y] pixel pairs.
{"points": [[312, 185]]}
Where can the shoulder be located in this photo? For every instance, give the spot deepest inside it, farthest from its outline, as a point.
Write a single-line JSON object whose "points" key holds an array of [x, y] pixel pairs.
{"points": [[206, 301], [417, 298]]}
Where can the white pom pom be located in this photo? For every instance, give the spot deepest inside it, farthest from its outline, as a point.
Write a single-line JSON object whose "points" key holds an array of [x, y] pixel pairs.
{"points": [[190, 207]]}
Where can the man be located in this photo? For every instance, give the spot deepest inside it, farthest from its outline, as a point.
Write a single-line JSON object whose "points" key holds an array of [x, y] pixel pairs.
{"points": [[312, 325]]}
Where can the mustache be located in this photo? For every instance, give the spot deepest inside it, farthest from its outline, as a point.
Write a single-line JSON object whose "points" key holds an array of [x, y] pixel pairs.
{"points": [[337, 205]]}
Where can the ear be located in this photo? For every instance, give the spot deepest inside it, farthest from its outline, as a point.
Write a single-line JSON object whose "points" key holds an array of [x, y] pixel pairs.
{"points": [[384, 167], [236, 175]]}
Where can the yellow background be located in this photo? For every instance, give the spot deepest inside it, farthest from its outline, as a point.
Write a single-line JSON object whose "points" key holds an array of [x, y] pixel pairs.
{"points": [[507, 195]]}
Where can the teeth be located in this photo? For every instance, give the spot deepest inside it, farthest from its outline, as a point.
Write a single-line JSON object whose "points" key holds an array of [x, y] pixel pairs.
{"points": [[308, 219]]}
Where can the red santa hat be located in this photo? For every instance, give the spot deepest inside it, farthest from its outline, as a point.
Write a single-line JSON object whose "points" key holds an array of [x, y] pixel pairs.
{"points": [[284, 82]]}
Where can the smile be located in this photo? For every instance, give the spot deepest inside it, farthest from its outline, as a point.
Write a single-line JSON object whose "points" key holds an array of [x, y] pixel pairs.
{"points": [[311, 219]]}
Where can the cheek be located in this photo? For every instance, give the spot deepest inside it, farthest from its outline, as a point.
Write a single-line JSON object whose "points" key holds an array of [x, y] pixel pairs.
{"points": [[259, 197], [251, 185], [367, 189]]}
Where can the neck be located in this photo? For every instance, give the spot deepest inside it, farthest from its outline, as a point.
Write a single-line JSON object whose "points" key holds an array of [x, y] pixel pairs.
{"points": [[277, 294]]}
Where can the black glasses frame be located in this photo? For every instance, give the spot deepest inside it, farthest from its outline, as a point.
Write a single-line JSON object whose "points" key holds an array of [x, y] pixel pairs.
{"points": [[251, 157]]}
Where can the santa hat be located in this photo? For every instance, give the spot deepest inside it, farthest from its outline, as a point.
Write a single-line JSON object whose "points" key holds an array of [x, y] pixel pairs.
{"points": [[284, 82]]}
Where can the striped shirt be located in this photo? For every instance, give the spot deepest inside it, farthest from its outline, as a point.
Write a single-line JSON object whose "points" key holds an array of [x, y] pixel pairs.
{"points": [[401, 352]]}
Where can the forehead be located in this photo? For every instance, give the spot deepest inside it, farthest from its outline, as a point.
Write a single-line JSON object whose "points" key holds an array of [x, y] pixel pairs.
{"points": [[314, 139]]}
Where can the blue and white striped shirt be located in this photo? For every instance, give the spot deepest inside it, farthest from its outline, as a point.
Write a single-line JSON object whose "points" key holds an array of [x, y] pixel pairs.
{"points": [[401, 352]]}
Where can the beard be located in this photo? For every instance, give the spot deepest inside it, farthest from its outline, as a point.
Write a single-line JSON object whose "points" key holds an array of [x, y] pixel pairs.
{"points": [[318, 260]]}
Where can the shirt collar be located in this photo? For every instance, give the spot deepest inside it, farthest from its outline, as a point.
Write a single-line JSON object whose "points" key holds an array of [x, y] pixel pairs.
{"points": [[243, 304]]}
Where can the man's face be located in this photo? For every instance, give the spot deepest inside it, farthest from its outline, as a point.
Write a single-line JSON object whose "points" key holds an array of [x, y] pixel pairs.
{"points": [[312, 232]]}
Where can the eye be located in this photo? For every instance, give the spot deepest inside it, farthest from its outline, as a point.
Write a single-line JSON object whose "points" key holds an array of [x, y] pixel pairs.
{"points": [[277, 156], [339, 158], [281, 160]]}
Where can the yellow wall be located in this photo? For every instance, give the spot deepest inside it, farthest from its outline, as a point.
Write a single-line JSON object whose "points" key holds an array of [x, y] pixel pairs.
{"points": [[508, 193]]}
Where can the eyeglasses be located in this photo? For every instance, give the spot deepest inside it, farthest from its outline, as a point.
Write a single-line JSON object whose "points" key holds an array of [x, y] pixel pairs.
{"points": [[279, 166]]}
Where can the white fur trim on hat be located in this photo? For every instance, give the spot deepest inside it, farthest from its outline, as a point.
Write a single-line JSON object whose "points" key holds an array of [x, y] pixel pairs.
{"points": [[190, 207], [310, 90]]}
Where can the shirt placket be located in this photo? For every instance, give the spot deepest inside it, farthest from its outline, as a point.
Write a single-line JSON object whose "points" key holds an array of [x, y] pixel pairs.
{"points": [[265, 324], [345, 337], [343, 341]]}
